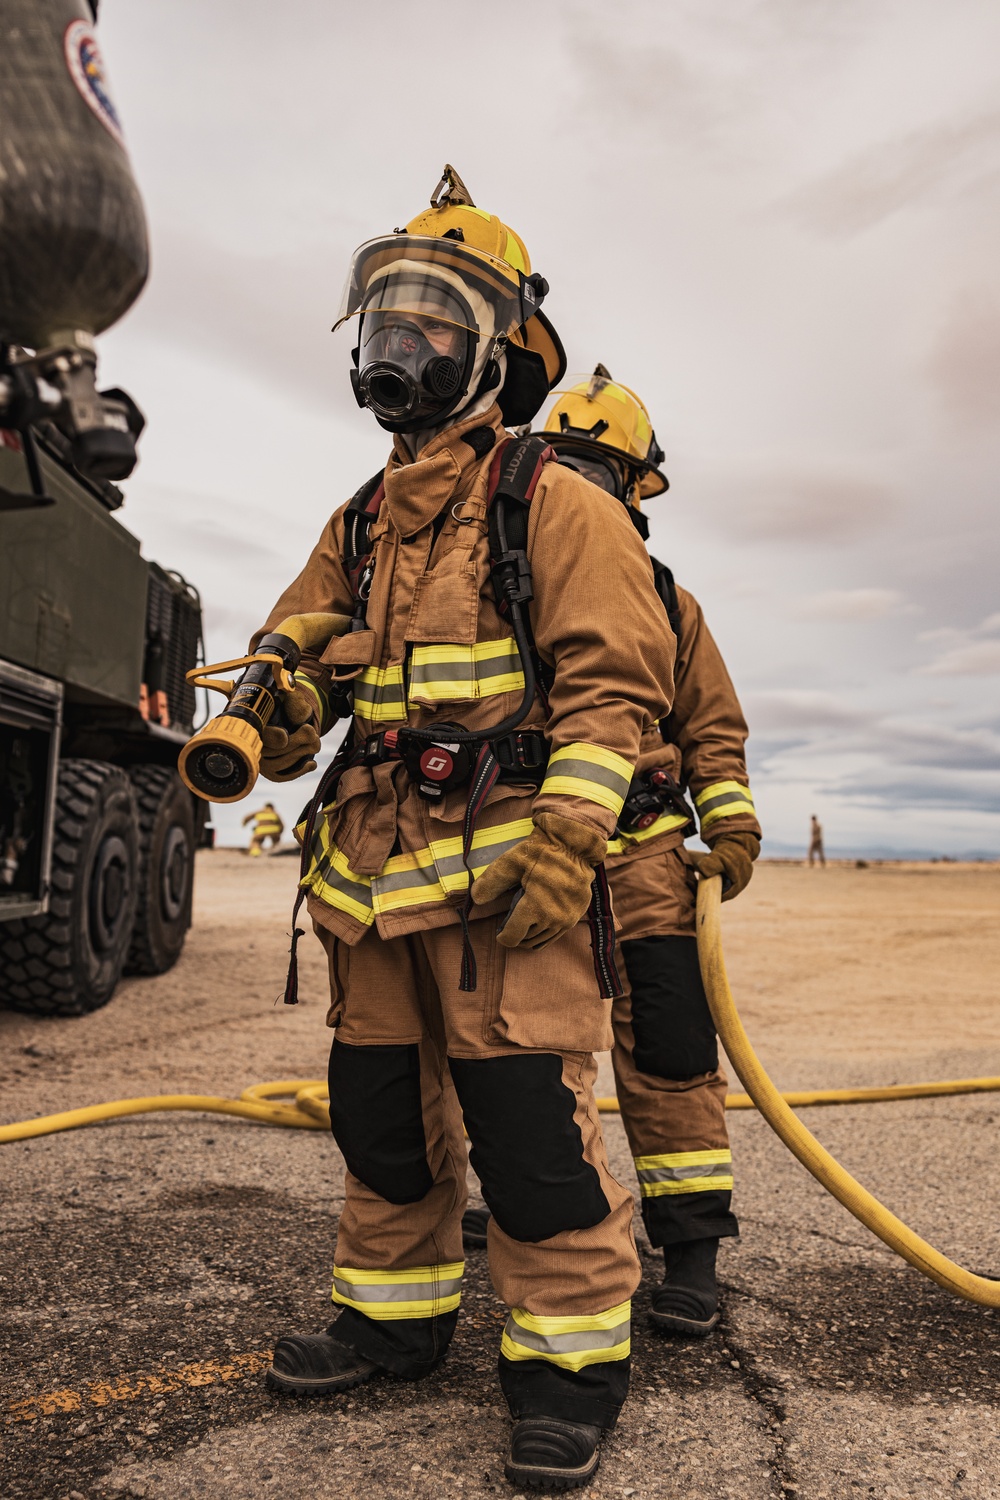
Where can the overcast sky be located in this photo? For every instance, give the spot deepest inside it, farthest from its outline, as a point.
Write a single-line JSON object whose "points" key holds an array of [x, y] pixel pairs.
{"points": [[775, 219]]}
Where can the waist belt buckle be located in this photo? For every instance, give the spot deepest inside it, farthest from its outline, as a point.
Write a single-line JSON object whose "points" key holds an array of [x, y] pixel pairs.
{"points": [[381, 747], [522, 751]]}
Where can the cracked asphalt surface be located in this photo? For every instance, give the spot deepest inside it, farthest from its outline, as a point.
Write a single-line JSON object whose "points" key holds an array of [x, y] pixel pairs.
{"points": [[147, 1265]]}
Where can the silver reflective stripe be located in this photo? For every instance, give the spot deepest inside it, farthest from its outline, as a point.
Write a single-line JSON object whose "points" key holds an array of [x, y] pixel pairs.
{"points": [[398, 1291], [448, 671], [735, 794], [358, 890], [682, 1174], [549, 1344], [588, 770], [451, 865], [401, 880]]}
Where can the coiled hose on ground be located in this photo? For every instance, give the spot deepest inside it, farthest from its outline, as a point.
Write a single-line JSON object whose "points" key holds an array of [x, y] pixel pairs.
{"points": [[303, 1104]]}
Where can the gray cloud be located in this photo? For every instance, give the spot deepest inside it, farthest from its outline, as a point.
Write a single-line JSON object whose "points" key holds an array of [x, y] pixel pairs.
{"points": [[270, 315], [964, 363], [825, 505], [801, 711], [850, 604], [977, 659], [946, 792], [967, 653], [883, 179]]}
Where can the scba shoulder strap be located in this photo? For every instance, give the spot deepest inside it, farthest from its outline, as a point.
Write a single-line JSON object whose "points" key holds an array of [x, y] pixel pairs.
{"points": [[361, 511], [514, 474], [663, 579]]}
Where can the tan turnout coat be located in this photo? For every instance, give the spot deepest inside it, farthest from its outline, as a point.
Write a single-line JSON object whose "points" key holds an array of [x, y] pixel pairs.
{"points": [[436, 649]]}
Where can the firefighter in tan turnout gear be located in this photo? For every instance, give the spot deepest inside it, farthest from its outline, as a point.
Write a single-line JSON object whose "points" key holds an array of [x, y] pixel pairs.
{"points": [[509, 655], [670, 1088]]}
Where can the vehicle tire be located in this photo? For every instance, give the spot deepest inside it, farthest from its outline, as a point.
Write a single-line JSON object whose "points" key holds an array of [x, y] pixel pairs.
{"points": [[68, 962], [166, 869]]}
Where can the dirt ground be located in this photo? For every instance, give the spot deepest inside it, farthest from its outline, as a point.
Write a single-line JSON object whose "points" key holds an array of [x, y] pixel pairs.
{"points": [[146, 1266]]}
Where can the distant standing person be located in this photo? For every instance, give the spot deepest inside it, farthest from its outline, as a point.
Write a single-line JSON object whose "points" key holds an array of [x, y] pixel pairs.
{"points": [[816, 841], [267, 824]]}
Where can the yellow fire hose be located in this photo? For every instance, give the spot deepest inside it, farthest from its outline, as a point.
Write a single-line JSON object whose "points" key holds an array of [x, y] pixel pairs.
{"points": [[303, 1104], [856, 1199]]}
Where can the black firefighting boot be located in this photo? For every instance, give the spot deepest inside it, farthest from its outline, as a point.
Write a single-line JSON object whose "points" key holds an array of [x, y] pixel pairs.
{"points": [[547, 1453], [314, 1364], [687, 1301], [474, 1222]]}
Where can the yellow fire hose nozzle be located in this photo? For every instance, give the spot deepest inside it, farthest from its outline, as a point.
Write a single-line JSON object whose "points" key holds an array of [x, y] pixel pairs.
{"points": [[800, 1141], [238, 746], [221, 762]]}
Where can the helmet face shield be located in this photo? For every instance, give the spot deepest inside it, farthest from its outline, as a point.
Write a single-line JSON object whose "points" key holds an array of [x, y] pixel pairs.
{"points": [[432, 314], [422, 260]]}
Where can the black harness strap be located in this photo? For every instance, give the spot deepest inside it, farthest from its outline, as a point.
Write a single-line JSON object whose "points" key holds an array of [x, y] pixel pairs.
{"points": [[663, 581], [361, 512], [484, 779]]}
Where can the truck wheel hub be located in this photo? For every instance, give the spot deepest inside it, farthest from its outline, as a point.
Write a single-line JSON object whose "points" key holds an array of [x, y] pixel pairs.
{"points": [[174, 873], [109, 892]]}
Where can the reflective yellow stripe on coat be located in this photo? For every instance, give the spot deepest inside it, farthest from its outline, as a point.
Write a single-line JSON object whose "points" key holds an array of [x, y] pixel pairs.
{"points": [[581, 770], [378, 694], [724, 799], [684, 1172], [415, 1292], [571, 1343], [450, 674], [427, 876]]}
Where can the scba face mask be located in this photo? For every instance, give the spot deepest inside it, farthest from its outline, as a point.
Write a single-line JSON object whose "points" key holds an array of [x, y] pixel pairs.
{"points": [[435, 319], [416, 353]]}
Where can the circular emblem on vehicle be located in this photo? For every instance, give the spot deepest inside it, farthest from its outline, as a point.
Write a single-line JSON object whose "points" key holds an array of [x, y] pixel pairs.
{"points": [[436, 763], [86, 68]]}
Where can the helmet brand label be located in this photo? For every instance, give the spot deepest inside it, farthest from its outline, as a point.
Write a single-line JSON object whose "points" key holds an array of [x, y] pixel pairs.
{"points": [[86, 68]]}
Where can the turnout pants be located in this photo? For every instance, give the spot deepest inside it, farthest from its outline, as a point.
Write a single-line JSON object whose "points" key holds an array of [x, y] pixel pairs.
{"points": [[666, 1057], [412, 1056]]}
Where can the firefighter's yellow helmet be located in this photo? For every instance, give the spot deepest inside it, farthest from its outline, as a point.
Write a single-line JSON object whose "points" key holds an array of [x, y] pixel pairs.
{"points": [[600, 414], [466, 268]]}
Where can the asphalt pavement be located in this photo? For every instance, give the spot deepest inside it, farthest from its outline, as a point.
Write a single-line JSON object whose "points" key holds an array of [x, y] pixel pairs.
{"points": [[146, 1266]]}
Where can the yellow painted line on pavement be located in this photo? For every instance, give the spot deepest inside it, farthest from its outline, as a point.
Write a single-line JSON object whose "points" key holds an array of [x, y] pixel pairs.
{"points": [[133, 1387]]}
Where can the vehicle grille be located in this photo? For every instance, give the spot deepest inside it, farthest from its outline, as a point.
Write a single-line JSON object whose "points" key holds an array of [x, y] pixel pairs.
{"points": [[173, 641]]}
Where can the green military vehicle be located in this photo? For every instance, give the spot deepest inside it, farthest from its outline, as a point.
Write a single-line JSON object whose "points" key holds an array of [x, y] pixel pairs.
{"points": [[97, 831]]}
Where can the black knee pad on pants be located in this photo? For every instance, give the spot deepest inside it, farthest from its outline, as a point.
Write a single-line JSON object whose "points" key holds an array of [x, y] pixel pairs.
{"points": [[674, 1032], [377, 1121], [526, 1147]]}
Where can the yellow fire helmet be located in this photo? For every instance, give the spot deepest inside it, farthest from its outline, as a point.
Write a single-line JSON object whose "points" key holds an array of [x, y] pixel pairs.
{"points": [[438, 302], [596, 421]]}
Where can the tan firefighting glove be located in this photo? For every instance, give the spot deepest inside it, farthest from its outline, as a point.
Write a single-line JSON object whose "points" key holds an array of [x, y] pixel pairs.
{"points": [[554, 868], [283, 751], [732, 857]]}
